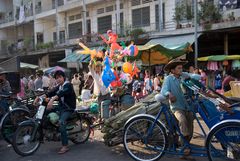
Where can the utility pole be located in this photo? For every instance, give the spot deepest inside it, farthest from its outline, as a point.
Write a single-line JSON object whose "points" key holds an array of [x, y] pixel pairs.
{"points": [[195, 33], [57, 24], [160, 15], [84, 11]]}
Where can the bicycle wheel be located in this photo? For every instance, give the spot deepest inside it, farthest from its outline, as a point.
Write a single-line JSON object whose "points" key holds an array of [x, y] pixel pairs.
{"points": [[141, 146], [25, 141], [223, 142], [10, 122], [80, 131]]}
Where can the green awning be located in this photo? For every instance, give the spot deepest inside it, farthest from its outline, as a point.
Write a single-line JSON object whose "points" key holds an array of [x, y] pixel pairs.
{"points": [[165, 48], [74, 57], [174, 42], [219, 58]]}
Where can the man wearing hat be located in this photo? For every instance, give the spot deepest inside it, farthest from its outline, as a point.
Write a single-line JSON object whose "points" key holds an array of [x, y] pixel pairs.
{"points": [[5, 89], [171, 88]]}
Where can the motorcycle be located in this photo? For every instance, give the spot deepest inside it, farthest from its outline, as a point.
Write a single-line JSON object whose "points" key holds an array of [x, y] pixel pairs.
{"points": [[32, 132]]}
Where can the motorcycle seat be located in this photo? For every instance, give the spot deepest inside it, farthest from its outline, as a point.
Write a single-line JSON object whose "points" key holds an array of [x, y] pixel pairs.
{"points": [[83, 109]]}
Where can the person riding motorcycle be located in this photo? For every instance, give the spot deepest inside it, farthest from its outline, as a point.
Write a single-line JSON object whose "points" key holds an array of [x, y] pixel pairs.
{"points": [[65, 94]]}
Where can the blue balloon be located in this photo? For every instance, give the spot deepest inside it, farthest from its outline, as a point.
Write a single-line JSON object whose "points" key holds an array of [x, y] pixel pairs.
{"points": [[131, 50], [107, 76]]}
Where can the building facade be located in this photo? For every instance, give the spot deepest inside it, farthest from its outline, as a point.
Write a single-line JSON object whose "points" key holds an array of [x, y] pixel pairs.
{"points": [[44, 28]]}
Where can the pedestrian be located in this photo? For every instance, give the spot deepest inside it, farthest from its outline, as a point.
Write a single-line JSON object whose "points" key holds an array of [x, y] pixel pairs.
{"points": [[38, 81], [148, 84], [99, 90], [226, 81], [76, 83], [156, 83], [45, 81]]}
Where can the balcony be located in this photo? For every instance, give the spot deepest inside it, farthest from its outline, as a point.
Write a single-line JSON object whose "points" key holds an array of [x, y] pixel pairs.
{"points": [[7, 19]]}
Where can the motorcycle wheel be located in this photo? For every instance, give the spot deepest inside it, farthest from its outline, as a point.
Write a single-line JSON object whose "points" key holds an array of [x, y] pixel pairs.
{"points": [[10, 122], [80, 131], [25, 141]]}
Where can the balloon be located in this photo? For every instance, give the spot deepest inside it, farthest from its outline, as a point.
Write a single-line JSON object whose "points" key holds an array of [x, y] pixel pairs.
{"points": [[107, 76], [133, 49], [116, 75], [126, 51], [127, 67], [135, 70], [93, 52], [115, 84]]}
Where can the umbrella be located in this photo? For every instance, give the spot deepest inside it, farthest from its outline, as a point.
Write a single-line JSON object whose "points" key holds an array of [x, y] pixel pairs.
{"points": [[53, 69]]}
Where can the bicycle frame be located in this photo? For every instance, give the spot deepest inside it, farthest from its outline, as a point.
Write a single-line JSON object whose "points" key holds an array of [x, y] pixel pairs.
{"points": [[171, 121]]}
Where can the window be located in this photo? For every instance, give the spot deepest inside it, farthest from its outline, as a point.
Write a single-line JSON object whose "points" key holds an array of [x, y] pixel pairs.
{"points": [[75, 30], [109, 8], [54, 37], [135, 2], [229, 5], [78, 16], [104, 24], [141, 17], [121, 24], [100, 11], [157, 16], [71, 18], [146, 1], [62, 37], [121, 5], [39, 37]]}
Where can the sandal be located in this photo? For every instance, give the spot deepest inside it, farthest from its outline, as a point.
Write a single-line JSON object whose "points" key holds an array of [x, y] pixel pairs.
{"points": [[187, 152], [63, 150]]}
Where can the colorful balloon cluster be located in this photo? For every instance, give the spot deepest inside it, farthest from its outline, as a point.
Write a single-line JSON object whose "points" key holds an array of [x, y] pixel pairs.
{"points": [[115, 54]]}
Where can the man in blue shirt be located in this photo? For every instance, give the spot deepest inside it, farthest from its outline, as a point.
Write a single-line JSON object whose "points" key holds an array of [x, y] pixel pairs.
{"points": [[171, 89]]}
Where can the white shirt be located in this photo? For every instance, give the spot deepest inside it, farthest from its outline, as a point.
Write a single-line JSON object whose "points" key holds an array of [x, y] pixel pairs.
{"points": [[98, 87], [46, 81], [147, 84], [86, 95]]}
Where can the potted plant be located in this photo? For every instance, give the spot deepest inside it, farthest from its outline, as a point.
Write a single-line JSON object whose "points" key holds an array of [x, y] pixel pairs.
{"points": [[136, 32], [179, 14], [188, 14], [209, 14], [231, 16]]}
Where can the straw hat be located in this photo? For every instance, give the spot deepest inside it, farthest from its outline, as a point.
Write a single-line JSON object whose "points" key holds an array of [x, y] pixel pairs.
{"points": [[173, 63], [3, 71]]}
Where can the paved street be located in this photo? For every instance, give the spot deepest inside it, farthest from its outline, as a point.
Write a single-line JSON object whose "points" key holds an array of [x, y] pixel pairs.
{"points": [[93, 150]]}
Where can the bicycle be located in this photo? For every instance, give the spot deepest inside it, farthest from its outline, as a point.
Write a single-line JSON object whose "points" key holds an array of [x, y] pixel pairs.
{"points": [[18, 111], [146, 138]]}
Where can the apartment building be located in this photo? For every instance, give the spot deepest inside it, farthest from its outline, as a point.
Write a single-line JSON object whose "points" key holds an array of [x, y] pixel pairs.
{"points": [[45, 28]]}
